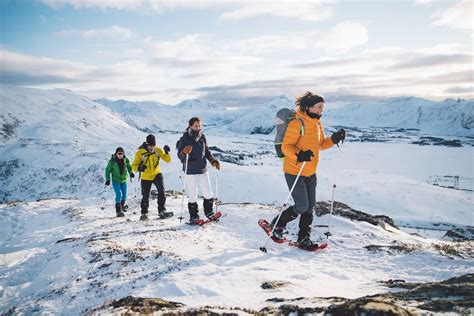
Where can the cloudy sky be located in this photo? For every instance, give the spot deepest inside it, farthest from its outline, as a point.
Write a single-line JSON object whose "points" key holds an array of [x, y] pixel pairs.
{"points": [[235, 52]]}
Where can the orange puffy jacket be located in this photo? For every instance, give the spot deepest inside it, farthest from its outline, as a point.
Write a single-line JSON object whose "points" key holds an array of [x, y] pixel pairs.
{"points": [[313, 139]]}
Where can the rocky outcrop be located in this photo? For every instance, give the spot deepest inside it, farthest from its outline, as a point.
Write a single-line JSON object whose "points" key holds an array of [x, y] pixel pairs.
{"points": [[343, 210], [460, 234], [455, 295]]}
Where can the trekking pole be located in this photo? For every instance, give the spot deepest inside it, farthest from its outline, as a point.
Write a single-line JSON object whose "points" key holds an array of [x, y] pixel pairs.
{"points": [[184, 188], [217, 189], [264, 248], [328, 233]]}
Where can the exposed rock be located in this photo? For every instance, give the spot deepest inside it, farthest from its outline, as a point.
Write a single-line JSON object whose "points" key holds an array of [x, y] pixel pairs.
{"points": [[460, 234], [367, 307], [402, 247], [271, 285], [343, 210], [455, 295], [452, 295], [461, 249], [141, 305]]}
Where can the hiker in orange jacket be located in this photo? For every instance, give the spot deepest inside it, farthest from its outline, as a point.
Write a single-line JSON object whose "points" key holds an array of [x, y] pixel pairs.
{"points": [[301, 147]]}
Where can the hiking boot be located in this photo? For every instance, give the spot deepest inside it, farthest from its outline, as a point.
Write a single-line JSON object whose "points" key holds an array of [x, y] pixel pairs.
{"points": [[307, 243], [144, 217], [123, 206], [164, 214], [118, 210], [208, 208], [279, 233], [193, 210]]}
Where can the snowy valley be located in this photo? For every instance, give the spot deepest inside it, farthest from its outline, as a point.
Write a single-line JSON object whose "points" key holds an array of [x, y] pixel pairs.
{"points": [[62, 251]]}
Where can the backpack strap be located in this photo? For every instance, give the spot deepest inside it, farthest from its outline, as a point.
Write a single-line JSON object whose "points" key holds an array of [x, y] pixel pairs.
{"points": [[296, 117]]}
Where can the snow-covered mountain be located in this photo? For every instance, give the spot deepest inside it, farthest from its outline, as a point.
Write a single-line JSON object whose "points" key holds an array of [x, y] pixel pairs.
{"points": [[56, 143], [195, 104], [154, 117], [449, 117], [279, 102]]}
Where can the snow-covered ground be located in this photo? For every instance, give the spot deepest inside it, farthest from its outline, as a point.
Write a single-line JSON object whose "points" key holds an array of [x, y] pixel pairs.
{"points": [[64, 257], [380, 178]]}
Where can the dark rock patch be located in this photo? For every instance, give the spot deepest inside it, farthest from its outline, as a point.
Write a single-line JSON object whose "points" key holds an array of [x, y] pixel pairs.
{"points": [[343, 210], [460, 234], [271, 285], [367, 307], [400, 248]]}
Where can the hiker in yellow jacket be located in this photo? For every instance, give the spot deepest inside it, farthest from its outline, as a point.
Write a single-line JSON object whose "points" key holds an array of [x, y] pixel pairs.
{"points": [[301, 147], [147, 163]]}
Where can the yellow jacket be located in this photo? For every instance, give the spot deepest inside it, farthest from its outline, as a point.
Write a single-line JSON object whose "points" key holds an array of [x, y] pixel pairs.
{"points": [[313, 139], [150, 160]]}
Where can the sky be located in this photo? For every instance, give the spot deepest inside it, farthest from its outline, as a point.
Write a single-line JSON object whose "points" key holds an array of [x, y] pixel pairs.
{"points": [[239, 52]]}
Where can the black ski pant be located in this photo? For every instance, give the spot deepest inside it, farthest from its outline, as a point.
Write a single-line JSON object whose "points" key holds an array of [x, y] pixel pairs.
{"points": [[146, 188], [304, 196]]}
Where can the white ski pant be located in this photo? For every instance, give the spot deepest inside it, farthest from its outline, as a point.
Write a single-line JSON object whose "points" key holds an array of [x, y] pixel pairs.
{"points": [[193, 181]]}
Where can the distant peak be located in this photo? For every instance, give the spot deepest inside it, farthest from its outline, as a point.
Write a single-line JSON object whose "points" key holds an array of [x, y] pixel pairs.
{"points": [[194, 104]]}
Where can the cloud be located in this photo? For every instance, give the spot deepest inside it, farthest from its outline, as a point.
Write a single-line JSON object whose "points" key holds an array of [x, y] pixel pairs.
{"points": [[307, 10], [145, 6], [435, 60], [459, 90], [343, 37], [19, 69], [339, 39], [192, 54], [377, 72], [459, 16], [113, 32], [198, 66], [301, 10], [425, 2], [79, 4]]}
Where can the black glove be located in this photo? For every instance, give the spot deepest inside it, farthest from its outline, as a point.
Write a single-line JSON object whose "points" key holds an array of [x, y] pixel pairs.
{"points": [[141, 168], [166, 149], [132, 175], [338, 136], [305, 155], [107, 182]]}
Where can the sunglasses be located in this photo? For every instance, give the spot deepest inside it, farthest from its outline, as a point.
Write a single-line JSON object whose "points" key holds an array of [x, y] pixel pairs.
{"points": [[119, 154]]}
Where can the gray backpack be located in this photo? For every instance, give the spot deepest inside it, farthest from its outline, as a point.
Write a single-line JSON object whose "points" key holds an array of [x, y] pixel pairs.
{"points": [[282, 119]]}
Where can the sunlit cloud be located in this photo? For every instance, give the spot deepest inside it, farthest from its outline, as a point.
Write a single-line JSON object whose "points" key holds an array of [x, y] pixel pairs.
{"points": [[339, 39], [303, 10], [458, 16]]}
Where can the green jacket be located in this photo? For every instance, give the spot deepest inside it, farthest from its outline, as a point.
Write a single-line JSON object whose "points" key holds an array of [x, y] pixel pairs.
{"points": [[113, 167]]}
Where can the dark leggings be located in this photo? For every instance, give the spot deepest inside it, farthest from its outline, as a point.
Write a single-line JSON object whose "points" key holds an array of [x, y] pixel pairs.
{"points": [[146, 188], [304, 196]]}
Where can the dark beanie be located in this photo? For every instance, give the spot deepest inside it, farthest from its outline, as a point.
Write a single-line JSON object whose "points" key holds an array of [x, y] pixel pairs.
{"points": [[311, 100], [119, 150], [308, 100], [150, 140]]}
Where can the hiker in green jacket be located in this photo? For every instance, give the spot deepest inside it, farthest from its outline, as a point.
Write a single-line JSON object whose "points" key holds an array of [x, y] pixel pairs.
{"points": [[119, 166]]}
